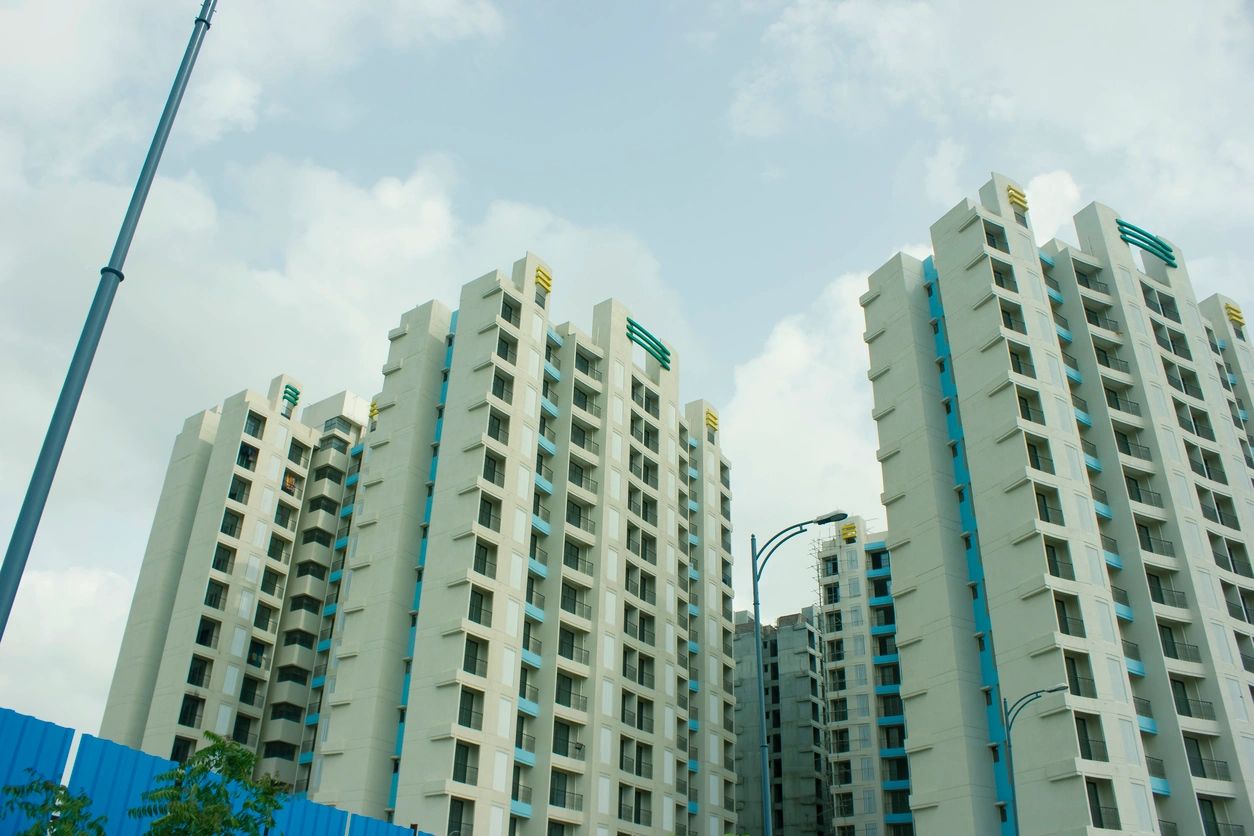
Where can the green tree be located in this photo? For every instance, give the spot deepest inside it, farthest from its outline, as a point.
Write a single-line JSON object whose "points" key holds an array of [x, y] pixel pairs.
{"points": [[54, 810], [211, 794]]}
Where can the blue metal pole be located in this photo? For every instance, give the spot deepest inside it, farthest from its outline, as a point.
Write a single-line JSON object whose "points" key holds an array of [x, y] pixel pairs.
{"points": [[767, 819], [80, 364]]}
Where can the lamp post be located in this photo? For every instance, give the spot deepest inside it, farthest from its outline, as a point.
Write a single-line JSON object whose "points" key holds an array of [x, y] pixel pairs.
{"points": [[1009, 713], [759, 559], [72, 390]]}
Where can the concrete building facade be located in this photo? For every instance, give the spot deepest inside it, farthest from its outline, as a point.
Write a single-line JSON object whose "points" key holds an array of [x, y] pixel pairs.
{"points": [[797, 735], [1067, 474], [521, 621], [231, 599]]}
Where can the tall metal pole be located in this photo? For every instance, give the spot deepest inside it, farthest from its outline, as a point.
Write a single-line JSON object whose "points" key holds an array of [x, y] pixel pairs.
{"points": [[1007, 722], [75, 379], [767, 819]]}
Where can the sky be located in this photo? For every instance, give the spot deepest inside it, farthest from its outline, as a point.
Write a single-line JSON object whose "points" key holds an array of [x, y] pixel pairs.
{"points": [[730, 169]]}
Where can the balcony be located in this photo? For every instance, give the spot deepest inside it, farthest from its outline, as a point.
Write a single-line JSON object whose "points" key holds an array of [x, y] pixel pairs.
{"points": [[1168, 597], [1213, 770], [1217, 515], [1196, 709], [1153, 545], [1123, 404], [1082, 686], [1106, 818], [1182, 651], [1145, 496], [565, 800], [1049, 513]]}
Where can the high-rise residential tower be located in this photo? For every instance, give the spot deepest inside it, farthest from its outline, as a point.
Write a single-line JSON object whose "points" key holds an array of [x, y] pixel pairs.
{"points": [[796, 726], [868, 772], [231, 595], [520, 619], [1065, 448]]}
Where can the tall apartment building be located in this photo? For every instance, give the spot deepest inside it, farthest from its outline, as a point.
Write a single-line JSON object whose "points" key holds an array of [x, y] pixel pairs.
{"points": [[230, 599], [1066, 456], [521, 618], [867, 766], [797, 735]]}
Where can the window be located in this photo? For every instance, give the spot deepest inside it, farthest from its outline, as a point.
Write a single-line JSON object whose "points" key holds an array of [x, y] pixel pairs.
{"points": [[182, 749], [298, 637], [279, 549], [223, 559], [326, 471], [280, 750], [239, 490], [338, 423], [334, 442], [317, 535], [190, 711], [298, 453], [215, 595], [286, 711], [207, 633], [232, 523], [247, 456], [285, 515], [292, 673], [199, 671]]}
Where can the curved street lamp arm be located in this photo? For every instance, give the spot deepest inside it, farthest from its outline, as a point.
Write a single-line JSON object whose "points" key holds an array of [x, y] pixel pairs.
{"points": [[765, 553], [766, 547]]}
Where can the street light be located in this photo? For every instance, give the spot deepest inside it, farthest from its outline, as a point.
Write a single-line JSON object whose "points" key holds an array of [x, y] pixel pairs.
{"points": [[1009, 713], [768, 549]]}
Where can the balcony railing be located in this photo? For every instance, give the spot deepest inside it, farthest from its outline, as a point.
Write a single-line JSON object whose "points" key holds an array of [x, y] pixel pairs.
{"points": [[1049, 513], [1168, 597], [566, 800], [1131, 650], [1143, 708], [469, 718], [1106, 818], [1145, 496], [572, 700], [1156, 546], [1183, 651], [1197, 709], [1060, 567], [1123, 404], [576, 607], [1131, 448], [1071, 626], [1082, 686], [1208, 768]]}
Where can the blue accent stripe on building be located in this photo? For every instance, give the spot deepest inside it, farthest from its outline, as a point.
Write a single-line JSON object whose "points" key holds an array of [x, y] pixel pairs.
{"points": [[975, 563]]}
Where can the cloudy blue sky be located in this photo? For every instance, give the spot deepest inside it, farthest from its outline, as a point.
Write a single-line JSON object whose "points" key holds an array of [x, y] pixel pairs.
{"points": [[732, 169]]}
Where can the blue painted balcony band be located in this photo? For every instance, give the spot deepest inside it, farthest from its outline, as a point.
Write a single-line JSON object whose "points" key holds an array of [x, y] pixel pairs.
{"points": [[898, 784], [1123, 612], [881, 572], [693, 505], [693, 807], [898, 818], [318, 682], [875, 546], [555, 338], [312, 719], [1083, 417], [530, 659], [693, 609], [324, 645], [885, 659], [537, 568], [893, 752], [891, 720], [1055, 295], [1232, 378], [1160, 786], [693, 473], [891, 688], [533, 612], [335, 576], [547, 446], [306, 757], [405, 690], [521, 809], [528, 707], [693, 724], [693, 574], [544, 485], [1074, 374], [692, 765], [693, 539], [342, 543], [883, 629], [551, 370], [694, 685], [435, 461], [1148, 724], [549, 407], [1046, 259], [439, 429], [1113, 560], [1064, 334], [539, 524], [975, 564], [1135, 667], [329, 610], [426, 508], [1103, 510], [357, 448], [692, 441], [880, 600], [524, 757], [1093, 463], [417, 595], [352, 479]]}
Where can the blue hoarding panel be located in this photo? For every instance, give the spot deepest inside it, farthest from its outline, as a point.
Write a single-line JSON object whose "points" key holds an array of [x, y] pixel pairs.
{"points": [[300, 817], [116, 778], [29, 749], [362, 826]]}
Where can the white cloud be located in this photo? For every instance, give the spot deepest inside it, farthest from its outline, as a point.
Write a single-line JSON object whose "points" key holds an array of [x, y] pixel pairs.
{"points": [[942, 179], [1054, 198], [55, 77], [798, 433], [996, 68], [59, 668]]}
